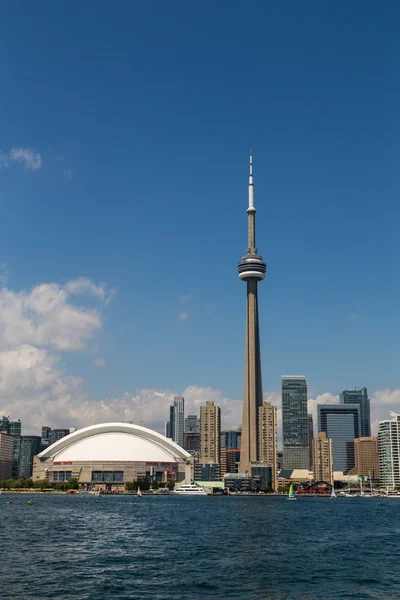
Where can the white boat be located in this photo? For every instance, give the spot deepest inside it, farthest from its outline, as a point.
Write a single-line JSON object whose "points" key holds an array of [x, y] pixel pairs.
{"points": [[333, 493], [189, 489], [139, 493]]}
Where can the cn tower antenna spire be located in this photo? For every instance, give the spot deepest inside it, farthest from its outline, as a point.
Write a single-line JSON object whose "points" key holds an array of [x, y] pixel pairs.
{"points": [[251, 184]]}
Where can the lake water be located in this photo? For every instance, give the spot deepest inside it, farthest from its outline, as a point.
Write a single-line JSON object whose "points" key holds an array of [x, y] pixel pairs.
{"points": [[213, 547]]}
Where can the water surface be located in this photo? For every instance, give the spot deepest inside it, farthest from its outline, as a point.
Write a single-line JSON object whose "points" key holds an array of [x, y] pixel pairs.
{"points": [[90, 548]]}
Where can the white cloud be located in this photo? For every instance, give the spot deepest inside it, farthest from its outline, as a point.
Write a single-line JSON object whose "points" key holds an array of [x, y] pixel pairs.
{"points": [[83, 285], [44, 317], [183, 315], [67, 173], [99, 362], [32, 160]]}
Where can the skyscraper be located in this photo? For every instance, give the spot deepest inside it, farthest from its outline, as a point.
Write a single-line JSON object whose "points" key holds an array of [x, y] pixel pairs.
{"points": [[175, 427], [210, 432], [389, 451], [310, 422], [179, 420], [295, 422], [231, 438], [341, 424], [268, 439], [251, 270], [360, 397], [322, 458], [30, 447]]}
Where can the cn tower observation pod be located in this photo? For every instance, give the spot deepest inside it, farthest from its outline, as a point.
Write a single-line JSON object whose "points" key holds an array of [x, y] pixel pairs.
{"points": [[111, 453]]}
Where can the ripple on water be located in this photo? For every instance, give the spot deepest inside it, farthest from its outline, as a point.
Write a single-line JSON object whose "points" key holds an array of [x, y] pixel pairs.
{"points": [[167, 548]]}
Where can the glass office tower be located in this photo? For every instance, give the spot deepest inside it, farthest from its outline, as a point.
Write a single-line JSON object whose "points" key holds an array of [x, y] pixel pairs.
{"points": [[295, 422], [341, 423]]}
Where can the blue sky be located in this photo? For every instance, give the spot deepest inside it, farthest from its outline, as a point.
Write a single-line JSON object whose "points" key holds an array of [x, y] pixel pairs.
{"points": [[143, 115]]}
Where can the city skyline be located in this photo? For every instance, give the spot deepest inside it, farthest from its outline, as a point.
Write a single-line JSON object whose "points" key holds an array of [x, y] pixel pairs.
{"points": [[78, 183]]}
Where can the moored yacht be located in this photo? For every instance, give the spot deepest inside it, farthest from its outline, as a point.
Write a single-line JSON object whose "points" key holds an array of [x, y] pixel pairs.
{"points": [[189, 489]]}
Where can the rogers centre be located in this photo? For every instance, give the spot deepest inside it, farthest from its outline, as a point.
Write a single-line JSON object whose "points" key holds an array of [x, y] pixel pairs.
{"points": [[109, 455]]}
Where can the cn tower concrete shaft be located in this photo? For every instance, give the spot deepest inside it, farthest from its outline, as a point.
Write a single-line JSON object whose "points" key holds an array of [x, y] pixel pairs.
{"points": [[251, 269]]}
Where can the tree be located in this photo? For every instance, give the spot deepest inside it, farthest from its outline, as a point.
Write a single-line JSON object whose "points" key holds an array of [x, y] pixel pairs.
{"points": [[72, 483], [171, 485], [154, 485]]}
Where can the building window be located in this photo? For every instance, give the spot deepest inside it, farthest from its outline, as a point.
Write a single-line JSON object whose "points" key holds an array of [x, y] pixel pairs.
{"points": [[107, 476], [62, 475]]}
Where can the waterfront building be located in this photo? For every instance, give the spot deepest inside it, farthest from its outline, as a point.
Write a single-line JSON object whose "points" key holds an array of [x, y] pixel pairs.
{"points": [[207, 471], [231, 438], [310, 422], [230, 458], [30, 447], [109, 455], [295, 422], [341, 423], [251, 269], [192, 424], [360, 397], [366, 457], [322, 458], [14, 429], [268, 438], [389, 451], [6, 455], [210, 432], [192, 442], [259, 478]]}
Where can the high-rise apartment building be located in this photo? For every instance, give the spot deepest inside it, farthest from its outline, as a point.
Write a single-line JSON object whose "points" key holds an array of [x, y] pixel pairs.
{"points": [[6, 455], [360, 397], [341, 423], [367, 457], [389, 451], [322, 458], [310, 422], [295, 422], [268, 438], [30, 447], [251, 269], [210, 432]]}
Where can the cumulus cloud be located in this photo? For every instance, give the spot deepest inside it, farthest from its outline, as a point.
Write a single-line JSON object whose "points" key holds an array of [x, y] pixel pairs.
{"points": [[31, 160], [44, 316]]}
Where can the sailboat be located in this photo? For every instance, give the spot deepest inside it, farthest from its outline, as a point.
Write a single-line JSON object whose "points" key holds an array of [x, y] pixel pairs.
{"points": [[139, 493], [333, 493], [291, 495]]}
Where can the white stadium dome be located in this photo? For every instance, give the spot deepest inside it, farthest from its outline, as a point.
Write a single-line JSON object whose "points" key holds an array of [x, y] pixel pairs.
{"points": [[114, 442]]}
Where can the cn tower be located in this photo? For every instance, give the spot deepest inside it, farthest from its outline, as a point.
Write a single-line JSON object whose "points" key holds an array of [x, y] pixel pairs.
{"points": [[251, 270]]}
